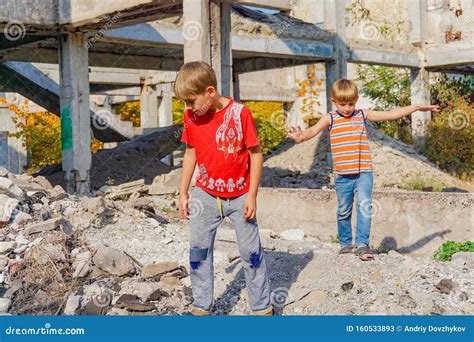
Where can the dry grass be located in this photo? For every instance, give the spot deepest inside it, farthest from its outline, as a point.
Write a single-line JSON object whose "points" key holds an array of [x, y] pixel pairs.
{"points": [[46, 277]]}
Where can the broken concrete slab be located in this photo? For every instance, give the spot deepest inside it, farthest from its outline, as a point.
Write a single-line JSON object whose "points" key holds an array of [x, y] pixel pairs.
{"points": [[95, 205], [73, 303], [124, 191], [166, 184], [58, 193], [82, 264], [154, 270], [466, 258], [43, 182], [147, 291], [7, 206], [171, 281], [293, 234], [113, 261], [7, 246], [5, 304], [90, 309], [9, 188], [3, 172], [22, 218], [133, 303]]}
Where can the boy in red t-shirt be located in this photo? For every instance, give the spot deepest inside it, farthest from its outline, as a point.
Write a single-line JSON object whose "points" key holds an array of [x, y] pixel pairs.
{"points": [[221, 139]]}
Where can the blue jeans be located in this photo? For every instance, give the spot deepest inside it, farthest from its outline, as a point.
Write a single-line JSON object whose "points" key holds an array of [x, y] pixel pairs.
{"points": [[346, 185]]}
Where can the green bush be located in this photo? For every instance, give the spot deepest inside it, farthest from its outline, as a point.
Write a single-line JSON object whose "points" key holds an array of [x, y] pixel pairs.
{"points": [[388, 87], [418, 184], [450, 136], [447, 249]]}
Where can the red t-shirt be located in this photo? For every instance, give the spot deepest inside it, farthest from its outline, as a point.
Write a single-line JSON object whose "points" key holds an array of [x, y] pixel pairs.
{"points": [[221, 141]]}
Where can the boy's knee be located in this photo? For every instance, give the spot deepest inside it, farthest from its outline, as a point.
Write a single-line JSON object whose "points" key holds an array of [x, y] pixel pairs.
{"points": [[344, 213], [253, 258], [196, 256]]}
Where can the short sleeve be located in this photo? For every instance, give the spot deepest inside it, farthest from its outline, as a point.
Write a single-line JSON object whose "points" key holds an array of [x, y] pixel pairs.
{"points": [[249, 128], [186, 137]]}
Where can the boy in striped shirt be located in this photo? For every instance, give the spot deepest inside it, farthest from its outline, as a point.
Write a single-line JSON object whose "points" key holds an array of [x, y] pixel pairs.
{"points": [[351, 160]]}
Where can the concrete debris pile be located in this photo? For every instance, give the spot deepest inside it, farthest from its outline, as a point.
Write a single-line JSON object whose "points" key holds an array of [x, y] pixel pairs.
{"points": [[49, 268]]}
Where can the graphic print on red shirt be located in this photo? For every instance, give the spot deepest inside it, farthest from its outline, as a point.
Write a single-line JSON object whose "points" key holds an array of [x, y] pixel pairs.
{"points": [[221, 141]]}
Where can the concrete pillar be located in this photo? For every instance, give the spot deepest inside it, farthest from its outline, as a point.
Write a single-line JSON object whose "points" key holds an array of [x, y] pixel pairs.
{"points": [[165, 113], [420, 94], [148, 104], [196, 31], [221, 45], [334, 12], [75, 112], [165, 106], [13, 154], [236, 86], [207, 37]]}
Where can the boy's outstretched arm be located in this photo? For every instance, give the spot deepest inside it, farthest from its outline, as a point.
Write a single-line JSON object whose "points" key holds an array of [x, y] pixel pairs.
{"points": [[256, 167], [398, 113], [299, 136], [189, 163]]}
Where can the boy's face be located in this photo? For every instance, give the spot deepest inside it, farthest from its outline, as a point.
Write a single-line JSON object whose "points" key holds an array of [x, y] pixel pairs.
{"points": [[345, 107], [201, 103]]}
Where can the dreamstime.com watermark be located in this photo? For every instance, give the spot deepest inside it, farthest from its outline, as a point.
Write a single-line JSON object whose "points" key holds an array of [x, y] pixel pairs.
{"points": [[46, 330]]}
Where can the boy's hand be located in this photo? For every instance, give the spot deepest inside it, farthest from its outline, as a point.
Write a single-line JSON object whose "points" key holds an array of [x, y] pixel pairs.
{"points": [[428, 108], [250, 207], [296, 134], [183, 205]]}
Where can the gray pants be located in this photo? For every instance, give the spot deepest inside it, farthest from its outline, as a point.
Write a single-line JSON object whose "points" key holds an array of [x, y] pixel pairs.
{"points": [[205, 217]]}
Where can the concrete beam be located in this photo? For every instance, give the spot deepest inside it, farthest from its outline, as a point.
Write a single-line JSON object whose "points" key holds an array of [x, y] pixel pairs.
{"points": [[452, 55], [100, 59], [85, 14], [265, 63], [112, 76], [156, 34], [7, 42], [75, 112], [381, 57], [280, 5], [196, 31], [271, 47], [420, 94], [30, 82]]}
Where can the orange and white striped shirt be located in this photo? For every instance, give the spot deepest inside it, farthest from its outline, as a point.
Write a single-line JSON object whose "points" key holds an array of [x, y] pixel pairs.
{"points": [[349, 144]]}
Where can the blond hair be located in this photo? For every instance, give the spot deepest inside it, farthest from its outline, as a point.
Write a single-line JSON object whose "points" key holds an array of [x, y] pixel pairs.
{"points": [[344, 91], [193, 79]]}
